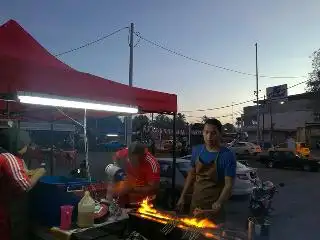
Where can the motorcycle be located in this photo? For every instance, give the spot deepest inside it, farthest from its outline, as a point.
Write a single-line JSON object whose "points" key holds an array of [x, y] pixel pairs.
{"points": [[261, 198]]}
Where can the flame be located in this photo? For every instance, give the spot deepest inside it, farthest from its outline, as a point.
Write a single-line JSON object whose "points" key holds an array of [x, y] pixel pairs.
{"points": [[147, 211]]}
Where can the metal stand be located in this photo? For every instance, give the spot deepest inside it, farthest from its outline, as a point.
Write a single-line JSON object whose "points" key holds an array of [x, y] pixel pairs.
{"points": [[86, 144], [174, 161], [258, 230]]}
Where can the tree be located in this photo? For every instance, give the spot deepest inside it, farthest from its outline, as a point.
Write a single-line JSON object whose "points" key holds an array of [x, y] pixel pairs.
{"points": [[228, 127], [181, 121], [239, 122], [313, 84], [139, 122], [204, 119], [163, 121]]}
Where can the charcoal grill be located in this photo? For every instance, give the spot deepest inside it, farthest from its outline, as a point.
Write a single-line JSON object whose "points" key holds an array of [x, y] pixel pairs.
{"points": [[152, 229]]}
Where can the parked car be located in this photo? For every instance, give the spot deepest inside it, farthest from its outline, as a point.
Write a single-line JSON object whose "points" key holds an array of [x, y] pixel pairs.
{"points": [[242, 186], [113, 146], [301, 148], [265, 148], [289, 159], [167, 145], [264, 145], [245, 148]]}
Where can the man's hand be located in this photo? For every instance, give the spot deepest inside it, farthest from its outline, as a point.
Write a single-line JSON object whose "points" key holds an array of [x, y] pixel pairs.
{"points": [[197, 212], [123, 188], [180, 204], [36, 175], [36, 172], [216, 206]]}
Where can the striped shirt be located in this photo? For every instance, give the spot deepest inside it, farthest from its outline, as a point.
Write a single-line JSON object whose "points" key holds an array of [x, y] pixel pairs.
{"points": [[12, 171], [147, 171]]}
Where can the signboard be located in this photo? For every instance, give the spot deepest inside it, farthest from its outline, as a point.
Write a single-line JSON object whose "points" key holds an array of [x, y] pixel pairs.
{"points": [[277, 93]]}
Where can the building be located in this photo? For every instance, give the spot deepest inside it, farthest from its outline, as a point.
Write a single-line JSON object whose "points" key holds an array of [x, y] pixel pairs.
{"points": [[286, 117]]}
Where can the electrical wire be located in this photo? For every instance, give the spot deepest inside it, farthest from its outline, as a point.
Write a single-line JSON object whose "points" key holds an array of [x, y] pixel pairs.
{"points": [[223, 116], [72, 119], [90, 43], [236, 104], [174, 52]]}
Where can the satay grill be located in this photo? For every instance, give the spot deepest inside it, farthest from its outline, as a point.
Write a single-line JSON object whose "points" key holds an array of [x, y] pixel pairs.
{"points": [[155, 225]]}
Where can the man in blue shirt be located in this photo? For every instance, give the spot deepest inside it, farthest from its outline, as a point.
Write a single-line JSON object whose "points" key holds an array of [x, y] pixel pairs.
{"points": [[212, 173]]}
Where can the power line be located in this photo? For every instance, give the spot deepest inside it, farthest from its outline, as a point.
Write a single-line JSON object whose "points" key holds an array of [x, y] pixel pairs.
{"points": [[223, 116], [90, 43], [174, 52], [235, 104]]}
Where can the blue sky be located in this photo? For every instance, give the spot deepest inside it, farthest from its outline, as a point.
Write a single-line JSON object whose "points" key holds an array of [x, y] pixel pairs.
{"points": [[220, 32]]}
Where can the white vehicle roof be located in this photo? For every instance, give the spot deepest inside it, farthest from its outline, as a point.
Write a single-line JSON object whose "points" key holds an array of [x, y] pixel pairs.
{"points": [[178, 160], [240, 167]]}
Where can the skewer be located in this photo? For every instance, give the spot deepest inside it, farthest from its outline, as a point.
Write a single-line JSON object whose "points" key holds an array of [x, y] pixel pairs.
{"points": [[188, 233], [196, 233], [169, 226]]}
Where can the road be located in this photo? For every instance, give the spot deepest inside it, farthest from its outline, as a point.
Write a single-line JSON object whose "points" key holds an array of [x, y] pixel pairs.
{"points": [[297, 212]]}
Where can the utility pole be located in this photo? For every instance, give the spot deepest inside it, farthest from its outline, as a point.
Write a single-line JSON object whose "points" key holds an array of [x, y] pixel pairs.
{"points": [[264, 108], [129, 118], [257, 94], [271, 121], [232, 113]]}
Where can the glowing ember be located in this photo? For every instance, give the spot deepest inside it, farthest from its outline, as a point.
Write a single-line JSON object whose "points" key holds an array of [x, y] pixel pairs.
{"points": [[147, 211]]}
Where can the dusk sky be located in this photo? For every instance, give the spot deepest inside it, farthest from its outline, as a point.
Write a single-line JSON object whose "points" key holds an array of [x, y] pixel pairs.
{"points": [[219, 32]]}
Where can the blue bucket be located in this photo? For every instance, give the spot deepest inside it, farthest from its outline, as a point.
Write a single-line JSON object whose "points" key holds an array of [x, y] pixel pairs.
{"points": [[50, 193]]}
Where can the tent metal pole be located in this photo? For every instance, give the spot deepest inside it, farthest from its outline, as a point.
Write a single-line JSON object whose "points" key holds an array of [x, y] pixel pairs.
{"points": [[52, 165], [173, 181], [129, 118]]}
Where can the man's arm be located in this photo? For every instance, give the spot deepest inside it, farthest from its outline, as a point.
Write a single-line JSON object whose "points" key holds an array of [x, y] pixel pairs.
{"points": [[150, 187], [230, 173], [17, 174], [191, 174]]}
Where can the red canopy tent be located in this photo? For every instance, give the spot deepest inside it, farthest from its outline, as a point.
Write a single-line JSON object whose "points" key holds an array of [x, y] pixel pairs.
{"points": [[26, 66]]}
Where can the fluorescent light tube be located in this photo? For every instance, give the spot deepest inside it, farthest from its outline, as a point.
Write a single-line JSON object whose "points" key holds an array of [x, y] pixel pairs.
{"points": [[112, 135], [77, 104]]}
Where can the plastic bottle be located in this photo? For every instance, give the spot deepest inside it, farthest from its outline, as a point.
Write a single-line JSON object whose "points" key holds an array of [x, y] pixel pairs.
{"points": [[86, 208]]}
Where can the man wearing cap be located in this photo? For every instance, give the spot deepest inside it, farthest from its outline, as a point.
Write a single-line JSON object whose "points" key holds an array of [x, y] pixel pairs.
{"points": [[14, 177], [142, 172]]}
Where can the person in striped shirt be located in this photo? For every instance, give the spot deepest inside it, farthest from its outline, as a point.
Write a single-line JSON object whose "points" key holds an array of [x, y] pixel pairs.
{"points": [[14, 177], [142, 172]]}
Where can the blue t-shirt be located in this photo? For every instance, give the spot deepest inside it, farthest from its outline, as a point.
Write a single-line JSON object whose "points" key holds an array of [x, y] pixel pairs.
{"points": [[226, 165]]}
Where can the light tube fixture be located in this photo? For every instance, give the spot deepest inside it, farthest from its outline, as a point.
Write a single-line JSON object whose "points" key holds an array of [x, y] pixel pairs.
{"points": [[112, 135], [55, 101]]}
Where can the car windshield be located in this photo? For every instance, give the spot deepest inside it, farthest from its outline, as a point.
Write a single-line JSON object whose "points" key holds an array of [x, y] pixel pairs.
{"points": [[166, 170], [267, 145], [251, 144], [188, 157], [241, 166]]}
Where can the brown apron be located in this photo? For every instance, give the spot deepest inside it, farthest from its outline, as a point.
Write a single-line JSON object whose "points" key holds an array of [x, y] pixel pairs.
{"points": [[207, 189]]}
